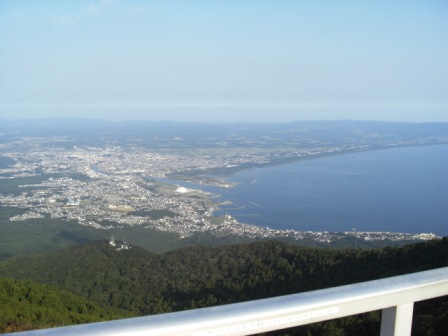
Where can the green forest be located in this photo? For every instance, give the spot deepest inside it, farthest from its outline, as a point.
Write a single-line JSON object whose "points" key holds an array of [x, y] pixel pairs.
{"points": [[26, 305], [94, 282]]}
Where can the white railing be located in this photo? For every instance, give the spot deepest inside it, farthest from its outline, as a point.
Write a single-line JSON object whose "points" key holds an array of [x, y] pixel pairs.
{"points": [[395, 296]]}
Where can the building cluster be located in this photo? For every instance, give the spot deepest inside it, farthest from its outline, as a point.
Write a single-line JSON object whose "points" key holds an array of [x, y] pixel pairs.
{"points": [[113, 186]]}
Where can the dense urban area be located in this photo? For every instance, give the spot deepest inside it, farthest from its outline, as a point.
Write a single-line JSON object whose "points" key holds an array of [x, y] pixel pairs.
{"points": [[112, 185]]}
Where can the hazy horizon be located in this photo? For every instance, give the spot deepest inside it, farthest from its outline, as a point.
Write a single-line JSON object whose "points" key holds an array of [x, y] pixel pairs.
{"points": [[246, 61], [228, 122]]}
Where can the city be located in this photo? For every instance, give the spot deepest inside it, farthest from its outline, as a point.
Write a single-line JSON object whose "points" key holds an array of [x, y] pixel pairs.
{"points": [[112, 186]]}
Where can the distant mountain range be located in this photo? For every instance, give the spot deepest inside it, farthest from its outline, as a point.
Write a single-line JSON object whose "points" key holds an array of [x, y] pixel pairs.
{"points": [[225, 135]]}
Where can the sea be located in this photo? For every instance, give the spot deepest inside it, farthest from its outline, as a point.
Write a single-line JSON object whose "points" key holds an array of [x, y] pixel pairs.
{"points": [[388, 190]]}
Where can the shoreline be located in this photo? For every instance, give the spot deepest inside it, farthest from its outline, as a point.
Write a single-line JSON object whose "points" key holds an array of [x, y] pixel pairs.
{"points": [[367, 234], [107, 180], [195, 179]]}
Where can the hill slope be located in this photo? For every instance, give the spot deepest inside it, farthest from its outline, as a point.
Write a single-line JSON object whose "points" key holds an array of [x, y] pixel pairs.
{"points": [[147, 283], [26, 305]]}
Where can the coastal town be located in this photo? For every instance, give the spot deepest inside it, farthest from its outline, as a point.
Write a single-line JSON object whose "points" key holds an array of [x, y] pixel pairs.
{"points": [[112, 187]]}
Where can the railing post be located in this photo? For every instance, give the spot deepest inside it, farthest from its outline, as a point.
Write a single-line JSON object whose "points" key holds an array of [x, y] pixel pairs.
{"points": [[397, 321]]}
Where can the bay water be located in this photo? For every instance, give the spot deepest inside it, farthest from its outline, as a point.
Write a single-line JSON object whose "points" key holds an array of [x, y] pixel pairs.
{"points": [[389, 190]]}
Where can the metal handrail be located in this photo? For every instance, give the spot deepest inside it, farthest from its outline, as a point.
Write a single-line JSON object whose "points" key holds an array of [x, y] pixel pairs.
{"points": [[395, 295]]}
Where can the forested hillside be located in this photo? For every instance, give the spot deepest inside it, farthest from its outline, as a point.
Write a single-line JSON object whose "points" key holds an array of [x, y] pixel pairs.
{"points": [[25, 306], [146, 283]]}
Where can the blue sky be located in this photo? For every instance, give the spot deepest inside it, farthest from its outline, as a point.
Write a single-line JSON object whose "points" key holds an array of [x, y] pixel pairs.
{"points": [[224, 60]]}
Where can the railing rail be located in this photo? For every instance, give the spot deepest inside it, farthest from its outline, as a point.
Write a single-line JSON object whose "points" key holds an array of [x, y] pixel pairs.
{"points": [[395, 296]]}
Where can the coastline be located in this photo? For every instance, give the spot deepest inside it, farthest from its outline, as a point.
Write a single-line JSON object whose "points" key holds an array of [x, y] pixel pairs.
{"points": [[366, 234], [197, 176], [108, 183]]}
